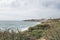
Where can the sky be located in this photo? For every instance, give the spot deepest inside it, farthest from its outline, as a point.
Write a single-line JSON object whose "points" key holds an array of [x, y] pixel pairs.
{"points": [[29, 9]]}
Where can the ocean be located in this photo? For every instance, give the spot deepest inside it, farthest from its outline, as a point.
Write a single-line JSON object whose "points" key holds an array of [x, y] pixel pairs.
{"points": [[14, 25]]}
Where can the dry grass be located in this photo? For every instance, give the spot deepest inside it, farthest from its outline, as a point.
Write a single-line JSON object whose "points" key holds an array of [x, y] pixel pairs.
{"points": [[54, 32], [49, 30]]}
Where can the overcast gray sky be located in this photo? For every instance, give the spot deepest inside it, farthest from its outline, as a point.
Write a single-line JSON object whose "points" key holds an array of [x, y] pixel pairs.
{"points": [[27, 9]]}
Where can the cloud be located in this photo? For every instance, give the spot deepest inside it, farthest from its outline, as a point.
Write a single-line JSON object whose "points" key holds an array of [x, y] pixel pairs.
{"points": [[4, 17], [24, 4], [30, 3], [52, 4], [25, 9], [8, 3]]}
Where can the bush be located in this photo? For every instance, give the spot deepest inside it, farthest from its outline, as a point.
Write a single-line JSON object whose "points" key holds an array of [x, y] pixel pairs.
{"points": [[37, 33]]}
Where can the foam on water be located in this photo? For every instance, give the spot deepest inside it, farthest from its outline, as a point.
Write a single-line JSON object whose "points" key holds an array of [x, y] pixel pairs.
{"points": [[14, 25]]}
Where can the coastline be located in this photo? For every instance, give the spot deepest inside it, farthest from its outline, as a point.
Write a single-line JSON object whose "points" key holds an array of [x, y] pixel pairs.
{"points": [[24, 29]]}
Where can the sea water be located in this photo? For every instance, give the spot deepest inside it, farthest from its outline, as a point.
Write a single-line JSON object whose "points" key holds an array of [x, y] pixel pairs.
{"points": [[14, 25]]}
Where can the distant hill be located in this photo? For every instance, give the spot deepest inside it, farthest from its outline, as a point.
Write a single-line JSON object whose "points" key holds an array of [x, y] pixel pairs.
{"points": [[41, 20], [35, 20]]}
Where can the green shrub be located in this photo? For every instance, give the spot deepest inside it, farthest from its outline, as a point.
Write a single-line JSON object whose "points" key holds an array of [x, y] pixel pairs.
{"points": [[37, 33]]}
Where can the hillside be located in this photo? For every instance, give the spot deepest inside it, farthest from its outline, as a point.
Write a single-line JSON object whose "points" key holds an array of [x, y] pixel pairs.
{"points": [[48, 30]]}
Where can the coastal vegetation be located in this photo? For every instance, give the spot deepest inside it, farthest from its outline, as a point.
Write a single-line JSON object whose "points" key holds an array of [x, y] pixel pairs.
{"points": [[49, 30]]}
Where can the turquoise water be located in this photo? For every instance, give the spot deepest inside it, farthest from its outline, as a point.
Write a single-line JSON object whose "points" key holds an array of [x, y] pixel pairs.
{"points": [[14, 25]]}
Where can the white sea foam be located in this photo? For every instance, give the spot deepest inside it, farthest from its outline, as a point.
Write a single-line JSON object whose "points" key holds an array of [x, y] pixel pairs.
{"points": [[14, 25]]}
